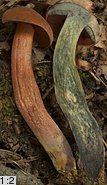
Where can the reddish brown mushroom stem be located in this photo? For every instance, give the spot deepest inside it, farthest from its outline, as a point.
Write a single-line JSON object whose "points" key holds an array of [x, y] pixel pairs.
{"points": [[29, 101]]}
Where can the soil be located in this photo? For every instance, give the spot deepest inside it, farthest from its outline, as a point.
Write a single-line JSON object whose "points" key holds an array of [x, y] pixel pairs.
{"points": [[19, 148]]}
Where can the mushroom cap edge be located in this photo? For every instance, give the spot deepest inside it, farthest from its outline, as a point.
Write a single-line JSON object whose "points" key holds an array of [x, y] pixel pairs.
{"points": [[44, 34]]}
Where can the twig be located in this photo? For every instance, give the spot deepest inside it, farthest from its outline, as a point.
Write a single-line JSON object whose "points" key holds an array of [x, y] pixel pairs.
{"points": [[47, 92], [105, 144]]}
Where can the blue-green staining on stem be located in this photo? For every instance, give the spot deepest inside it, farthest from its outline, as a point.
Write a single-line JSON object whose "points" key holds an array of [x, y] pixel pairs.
{"points": [[68, 88]]}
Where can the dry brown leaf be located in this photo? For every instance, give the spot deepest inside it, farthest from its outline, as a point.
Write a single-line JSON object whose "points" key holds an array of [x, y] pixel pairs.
{"points": [[52, 2], [9, 3], [83, 65], [12, 2], [39, 54], [85, 3], [4, 45], [90, 96], [103, 37], [104, 70]]}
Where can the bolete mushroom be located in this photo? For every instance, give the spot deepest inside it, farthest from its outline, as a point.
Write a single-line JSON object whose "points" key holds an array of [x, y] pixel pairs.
{"points": [[26, 91], [74, 20], [54, 13]]}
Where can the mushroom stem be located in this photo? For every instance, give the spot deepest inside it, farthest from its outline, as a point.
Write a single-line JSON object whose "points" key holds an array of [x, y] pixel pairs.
{"points": [[30, 104], [71, 98]]}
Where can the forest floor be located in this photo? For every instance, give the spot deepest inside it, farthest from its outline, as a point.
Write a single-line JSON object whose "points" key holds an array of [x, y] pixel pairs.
{"points": [[19, 148]]}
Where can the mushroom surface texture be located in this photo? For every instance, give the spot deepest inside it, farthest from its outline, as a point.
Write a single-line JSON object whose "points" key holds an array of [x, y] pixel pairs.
{"points": [[54, 13], [26, 91], [68, 88]]}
